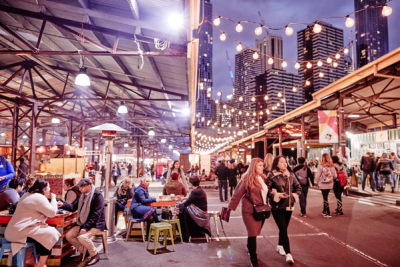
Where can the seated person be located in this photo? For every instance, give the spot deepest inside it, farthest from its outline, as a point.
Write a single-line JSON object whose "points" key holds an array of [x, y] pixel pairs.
{"points": [[90, 221], [6, 172], [203, 176], [10, 195], [72, 191], [174, 186], [123, 193], [139, 208], [193, 219], [28, 224], [28, 184]]}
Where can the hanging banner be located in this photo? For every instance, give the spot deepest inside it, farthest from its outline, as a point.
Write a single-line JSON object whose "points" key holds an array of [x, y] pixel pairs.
{"points": [[328, 126], [381, 136]]}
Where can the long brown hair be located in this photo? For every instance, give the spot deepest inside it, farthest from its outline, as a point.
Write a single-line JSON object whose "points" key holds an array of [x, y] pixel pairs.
{"points": [[269, 158], [173, 165], [250, 177], [326, 161]]}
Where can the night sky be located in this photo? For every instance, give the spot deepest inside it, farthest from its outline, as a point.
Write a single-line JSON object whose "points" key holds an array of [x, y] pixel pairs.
{"points": [[277, 14]]}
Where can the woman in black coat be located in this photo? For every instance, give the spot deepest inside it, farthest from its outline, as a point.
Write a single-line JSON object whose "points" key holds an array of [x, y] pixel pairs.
{"points": [[232, 174]]}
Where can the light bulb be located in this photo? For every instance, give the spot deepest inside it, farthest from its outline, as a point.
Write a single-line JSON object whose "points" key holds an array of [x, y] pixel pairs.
{"points": [[217, 21], [224, 106], [346, 50], [254, 114], [255, 55], [317, 28], [239, 27], [151, 133], [201, 85], [329, 60], [208, 95], [308, 83], [232, 110], [40, 139], [55, 120], [386, 11], [335, 64], [283, 100], [253, 99], [222, 37], [297, 66], [209, 89], [28, 124], [216, 101], [219, 93], [239, 47], [321, 74], [270, 61], [349, 22], [284, 64], [261, 112], [294, 89], [82, 79], [288, 30], [258, 30], [241, 98], [309, 65], [126, 145], [247, 114], [267, 112], [337, 56], [279, 94], [266, 97], [278, 104], [240, 112], [237, 124], [245, 123], [122, 109], [319, 63]]}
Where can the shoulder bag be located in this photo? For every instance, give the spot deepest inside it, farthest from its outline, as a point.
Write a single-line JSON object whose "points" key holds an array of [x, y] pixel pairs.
{"points": [[260, 212]]}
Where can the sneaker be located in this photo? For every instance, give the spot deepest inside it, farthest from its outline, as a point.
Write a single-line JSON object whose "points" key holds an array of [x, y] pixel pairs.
{"points": [[281, 250], [289, 258], [303, 215], [327, 216], [323, 213], [338, 213]]}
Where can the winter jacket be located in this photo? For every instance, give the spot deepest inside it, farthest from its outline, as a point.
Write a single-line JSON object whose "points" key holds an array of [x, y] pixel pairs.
{"points": [[232, 177], [125, 195], [6, 171], [222, 172], [141, 197], [96, 218], [283, 183], [385, 166], [197, 197], [174, 187], [182, 177], [368, 163], [318, 177], [310, 175], [8, 196], [72, 194]]}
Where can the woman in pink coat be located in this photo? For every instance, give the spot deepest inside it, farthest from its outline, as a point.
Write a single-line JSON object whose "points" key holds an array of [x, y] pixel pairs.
{"points": [[29, 222]]}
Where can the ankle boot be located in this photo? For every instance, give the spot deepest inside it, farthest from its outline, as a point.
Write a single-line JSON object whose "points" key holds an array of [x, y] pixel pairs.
{"points": [[254, 260], [393, 190]]}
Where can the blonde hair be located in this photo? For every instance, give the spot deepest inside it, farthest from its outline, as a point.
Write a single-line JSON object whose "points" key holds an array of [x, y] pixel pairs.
{"points": [[127, 181], [326, 161], [250, 177], [269, 158]]}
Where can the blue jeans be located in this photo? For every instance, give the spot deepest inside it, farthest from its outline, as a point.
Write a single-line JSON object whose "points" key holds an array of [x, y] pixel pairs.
{"points": [[377, 180], [388, 178], [303, 199], [223, 183], [371, 179]]}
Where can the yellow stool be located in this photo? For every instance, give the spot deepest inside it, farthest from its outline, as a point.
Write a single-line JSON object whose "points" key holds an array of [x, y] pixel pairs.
{"points": [[119, 214], [155, 229], [174, 224]]}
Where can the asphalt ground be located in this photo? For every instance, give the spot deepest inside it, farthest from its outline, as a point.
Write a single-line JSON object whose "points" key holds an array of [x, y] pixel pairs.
{"points": [[367, 235]]}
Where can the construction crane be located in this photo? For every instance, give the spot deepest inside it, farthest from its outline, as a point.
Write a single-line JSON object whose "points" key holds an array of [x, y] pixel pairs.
{"points": [[263, 22]]}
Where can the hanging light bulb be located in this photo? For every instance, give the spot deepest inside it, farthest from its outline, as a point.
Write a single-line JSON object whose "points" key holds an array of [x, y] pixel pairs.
{"points": [[24, 136], [245, 123], [232, 110], [294, 89], [317, 28], [216, 101], [321, 74], [297, 66], [277, 104], [329, 60], [247, 114], [279, 94], [266, 98], [270, 61], [122, 108], [240, 112], [349, 22], [346, 50], [308, 83], [40, 139], [335, 64], [126, 145], [258, 30], [55, 120], [239, 47], [217, 21], [255, 55], [222, 37], [309, 65], [267, 113], [151, 133], [237, 124], [337, 56], [261, 112], [209, 89], [386, 10], [208, 95], [239, 27], [224, 106], [284, 64], [319, 63], [253, 99], [283, 100], [82, 79], [288, 30], [254, 114], [241, 98], [28, 124], [219, 93]]}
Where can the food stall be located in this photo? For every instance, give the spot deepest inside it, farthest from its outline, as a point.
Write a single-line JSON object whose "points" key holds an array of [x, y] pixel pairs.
{"points": [[62, 162]]}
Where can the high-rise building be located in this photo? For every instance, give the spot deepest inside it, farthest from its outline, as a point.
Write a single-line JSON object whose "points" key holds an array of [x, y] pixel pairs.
{"points": [[312, 47], [223, 115], [278, 86], [246, 70], [205, 110], [372, 37], [270, 46]]}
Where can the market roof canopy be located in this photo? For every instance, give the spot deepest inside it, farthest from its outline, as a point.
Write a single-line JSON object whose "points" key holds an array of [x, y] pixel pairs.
{"points": [[107, 127]]}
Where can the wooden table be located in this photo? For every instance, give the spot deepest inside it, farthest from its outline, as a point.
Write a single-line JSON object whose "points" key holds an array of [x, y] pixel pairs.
{"points": [[164, 203], [62, 222]]}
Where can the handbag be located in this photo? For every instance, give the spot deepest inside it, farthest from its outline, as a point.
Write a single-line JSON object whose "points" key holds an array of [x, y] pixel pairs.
{"points": [[166, 214], [260, 212]]}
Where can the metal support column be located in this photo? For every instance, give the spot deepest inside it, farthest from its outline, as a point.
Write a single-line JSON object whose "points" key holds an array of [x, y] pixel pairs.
{"points": [[280, 141], [342, 136], [265, 147], [303, 137], [137, 156], [14, 137], [32, 138], [82, 135], [394, 120], [70, 129]]}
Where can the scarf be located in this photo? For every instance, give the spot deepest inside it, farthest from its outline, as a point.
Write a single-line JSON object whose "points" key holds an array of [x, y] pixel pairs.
{"points": [[264, 189], [144, 186], [84, 207]]}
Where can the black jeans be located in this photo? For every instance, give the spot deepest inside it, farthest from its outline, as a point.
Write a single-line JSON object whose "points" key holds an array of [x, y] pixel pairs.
{"points": [[223, 183], [232, 188], [115, 178], [338, 194], [282, 219], [325, 193], [40, 249], [371, 179], [252, 246], [303, 199]]}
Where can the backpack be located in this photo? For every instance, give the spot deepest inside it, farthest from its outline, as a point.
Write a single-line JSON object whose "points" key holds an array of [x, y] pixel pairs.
{"points": [[326, 175], [302, 176], [341, 177]]}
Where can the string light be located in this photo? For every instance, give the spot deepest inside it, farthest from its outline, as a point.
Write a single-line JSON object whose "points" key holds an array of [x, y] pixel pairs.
{"points": [[294, 89], [270, 61], [216, 101], [239, 27], [319, 63], [240, 112], [217, 21], [266, 98], [208, 95], [337, 56], [222, 37], [309, 65], [255, 55], [297, 66], [232, 110], [239, 47], [278, 104], [209, 89], [329, 60], [317, 28], [288, 30], [253, 99], [386, 10], [254, 113], [258, 30], [321, 74], [308, 83], [261, 112], [346, 50], [284, 64], [241, 98], [219, 93], [247, 114], [349, 22], [335, 64], [279, 94], [224, 106]]}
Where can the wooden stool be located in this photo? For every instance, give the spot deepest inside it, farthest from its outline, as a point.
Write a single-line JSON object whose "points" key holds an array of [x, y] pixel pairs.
{"points": [[126, 219], [216, 215], [155, 229], [131, 221], [174, 224], [105, 247]]}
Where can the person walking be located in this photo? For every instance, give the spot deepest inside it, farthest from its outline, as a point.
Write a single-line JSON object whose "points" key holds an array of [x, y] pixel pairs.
{"points": [[116, 172], [337, 188], [292, 162], [251, 191], [324, 177], [232, 176], [153, 173], [222, 173], [176, 168], [269, 158], [305, 178], [368, 165], [129, 169], [288, 189], [395, 161], [311, 163], [22, 169], [385, 168]]}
